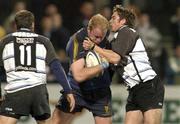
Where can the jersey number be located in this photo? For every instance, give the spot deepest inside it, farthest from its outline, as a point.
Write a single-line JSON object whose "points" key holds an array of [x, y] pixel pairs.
{"points": [[25, 56], [25, 49]]}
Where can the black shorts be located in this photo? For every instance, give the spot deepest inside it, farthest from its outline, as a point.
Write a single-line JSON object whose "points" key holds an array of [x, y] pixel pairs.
{"points": [[96, 101], [145, 96], [32, 101]]}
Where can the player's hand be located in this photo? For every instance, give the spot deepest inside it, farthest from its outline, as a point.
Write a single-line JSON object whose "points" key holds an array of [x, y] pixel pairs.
{"points": [[71, 100], [88, 44]]}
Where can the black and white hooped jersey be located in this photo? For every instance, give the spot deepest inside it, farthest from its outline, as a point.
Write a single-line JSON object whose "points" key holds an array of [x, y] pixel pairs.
{"points": [[24, 55], [129, 45]]}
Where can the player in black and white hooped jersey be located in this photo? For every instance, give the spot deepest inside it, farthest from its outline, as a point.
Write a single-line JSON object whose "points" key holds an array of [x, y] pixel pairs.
{"points": [[24, 55], [129, 58]]}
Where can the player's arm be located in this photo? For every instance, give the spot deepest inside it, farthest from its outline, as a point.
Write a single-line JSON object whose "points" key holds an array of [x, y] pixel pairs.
{"points": [[82, 73], [56, 67], [110, 55], [59, 73]]}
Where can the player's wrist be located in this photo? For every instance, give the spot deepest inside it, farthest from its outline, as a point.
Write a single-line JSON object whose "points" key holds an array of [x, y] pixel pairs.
{"points": [[104, 65]]}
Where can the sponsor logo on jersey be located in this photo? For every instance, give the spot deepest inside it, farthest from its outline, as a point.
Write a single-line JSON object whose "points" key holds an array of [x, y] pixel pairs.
{"points": [[24, 40]]}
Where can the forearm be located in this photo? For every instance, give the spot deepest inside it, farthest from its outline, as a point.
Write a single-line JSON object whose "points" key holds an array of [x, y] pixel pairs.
{"points": [[86, 73], [110, 55], [60, 75]]}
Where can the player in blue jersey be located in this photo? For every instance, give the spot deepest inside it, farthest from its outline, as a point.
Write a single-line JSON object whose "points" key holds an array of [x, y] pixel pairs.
{"points": [[91, 92], [24, 55]]}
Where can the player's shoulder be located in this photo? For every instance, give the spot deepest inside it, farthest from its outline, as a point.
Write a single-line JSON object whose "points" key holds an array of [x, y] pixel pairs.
{"points": [[81, 34], [127, 31], [6, 38], [42, 38]]}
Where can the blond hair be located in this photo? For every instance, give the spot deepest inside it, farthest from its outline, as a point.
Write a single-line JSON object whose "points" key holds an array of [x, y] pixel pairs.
{"points": [[98, 21]]}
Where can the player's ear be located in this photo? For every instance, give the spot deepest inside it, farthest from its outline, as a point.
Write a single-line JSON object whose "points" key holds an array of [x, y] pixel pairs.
{"points": [[123, 21]]}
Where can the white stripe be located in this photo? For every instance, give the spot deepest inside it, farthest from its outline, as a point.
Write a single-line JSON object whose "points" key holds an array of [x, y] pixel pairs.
{"points": [[41, 53], [9, 64], [141, 62], [32, 79]]}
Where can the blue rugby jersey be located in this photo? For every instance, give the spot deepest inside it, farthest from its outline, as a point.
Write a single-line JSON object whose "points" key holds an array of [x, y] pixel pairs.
{"points": [[75, 51]]}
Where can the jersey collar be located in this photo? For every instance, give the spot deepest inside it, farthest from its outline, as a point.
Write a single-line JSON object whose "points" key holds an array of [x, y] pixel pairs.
{"points": [[25, 29]]}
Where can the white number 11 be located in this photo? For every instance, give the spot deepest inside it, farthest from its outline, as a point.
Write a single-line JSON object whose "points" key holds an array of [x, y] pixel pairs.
{"points": [[22, 53]]}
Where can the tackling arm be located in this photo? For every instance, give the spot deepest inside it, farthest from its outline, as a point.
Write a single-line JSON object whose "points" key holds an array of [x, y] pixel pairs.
{"points": [[110, 55]]}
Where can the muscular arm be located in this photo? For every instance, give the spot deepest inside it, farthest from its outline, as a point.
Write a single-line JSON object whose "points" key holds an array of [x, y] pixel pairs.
{"points": [[82, 73], [110, 55]]}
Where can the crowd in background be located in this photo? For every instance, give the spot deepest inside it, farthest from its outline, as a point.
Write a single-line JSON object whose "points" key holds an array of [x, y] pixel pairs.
{"points": [[58, 20]]}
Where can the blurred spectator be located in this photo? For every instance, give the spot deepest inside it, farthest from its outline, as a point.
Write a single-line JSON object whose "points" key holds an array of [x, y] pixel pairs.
{"points": [[47, 21], [152, 41], [46, 26], [52, 27], [87, 10], [142, 4], [51, 9], [4, 9], [114, 2], [9, 22], [106, 11], [175, 27], [38, 8], [173, 66], [60, 34]]}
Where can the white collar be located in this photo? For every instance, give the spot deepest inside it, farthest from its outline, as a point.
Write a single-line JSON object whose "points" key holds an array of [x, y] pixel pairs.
{"points": [[115, 35], [26, 29]]}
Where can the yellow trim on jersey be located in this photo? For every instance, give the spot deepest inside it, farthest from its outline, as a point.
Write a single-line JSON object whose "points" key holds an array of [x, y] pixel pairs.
{"points": [[75, 50]]}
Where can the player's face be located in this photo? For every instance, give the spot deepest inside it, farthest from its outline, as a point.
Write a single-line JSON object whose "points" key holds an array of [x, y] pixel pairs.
{"points": [[115, 22], [96, 35]]}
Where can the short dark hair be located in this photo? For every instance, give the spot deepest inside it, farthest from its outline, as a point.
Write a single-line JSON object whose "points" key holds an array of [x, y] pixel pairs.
{"points": [[24, 19], [125, 13]]}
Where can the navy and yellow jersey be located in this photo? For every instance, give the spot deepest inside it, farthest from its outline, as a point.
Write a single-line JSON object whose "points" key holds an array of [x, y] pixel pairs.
{"points": [[75, 51]]}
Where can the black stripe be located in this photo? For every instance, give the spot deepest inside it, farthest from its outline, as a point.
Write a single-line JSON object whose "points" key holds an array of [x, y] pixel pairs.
{"points": [[136, 69]]}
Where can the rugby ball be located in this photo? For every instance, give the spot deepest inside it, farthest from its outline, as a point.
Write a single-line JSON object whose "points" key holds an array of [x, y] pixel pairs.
{"points": [[92, 59]]}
